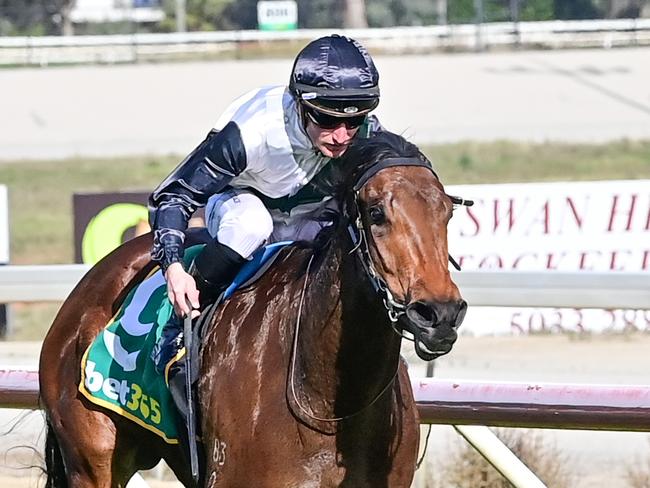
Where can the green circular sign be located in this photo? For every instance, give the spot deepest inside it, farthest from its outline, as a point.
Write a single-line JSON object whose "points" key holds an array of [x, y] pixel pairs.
{"points": [[105, 230]]}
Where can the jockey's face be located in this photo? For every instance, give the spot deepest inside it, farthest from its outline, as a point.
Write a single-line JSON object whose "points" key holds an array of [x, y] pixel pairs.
{"points": [[331, 142]]}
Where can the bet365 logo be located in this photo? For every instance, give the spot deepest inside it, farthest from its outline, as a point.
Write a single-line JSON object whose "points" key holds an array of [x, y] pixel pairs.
{"points": [[130, 396]]}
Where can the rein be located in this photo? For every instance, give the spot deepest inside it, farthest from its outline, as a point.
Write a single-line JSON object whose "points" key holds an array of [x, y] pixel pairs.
{"points": [[292, 374], [360, 242], [395, 309]]}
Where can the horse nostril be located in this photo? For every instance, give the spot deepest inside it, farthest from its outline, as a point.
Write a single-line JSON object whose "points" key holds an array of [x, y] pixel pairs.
{"points": [[460, 316], [432, 314], [421, 313]]}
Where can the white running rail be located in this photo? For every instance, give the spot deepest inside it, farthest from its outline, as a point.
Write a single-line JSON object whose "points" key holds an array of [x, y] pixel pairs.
{"points": [[584, 289]]}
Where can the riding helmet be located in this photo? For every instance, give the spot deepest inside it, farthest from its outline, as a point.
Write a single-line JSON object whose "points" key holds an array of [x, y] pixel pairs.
{"points": [[335, 75]]}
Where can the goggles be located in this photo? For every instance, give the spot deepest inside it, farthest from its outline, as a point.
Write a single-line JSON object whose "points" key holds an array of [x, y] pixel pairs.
{"points": [[342, 107], [326, 121], [349, 102]]}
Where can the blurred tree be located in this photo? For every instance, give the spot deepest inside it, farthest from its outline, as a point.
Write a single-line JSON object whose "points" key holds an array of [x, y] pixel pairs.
{"points": [[315, 14], [201, 15], [536, 10], [463, 11], [34, 17], [43, 17], [242, 14], [379, 13], [386, 13], [416, 12], [575, 9]]}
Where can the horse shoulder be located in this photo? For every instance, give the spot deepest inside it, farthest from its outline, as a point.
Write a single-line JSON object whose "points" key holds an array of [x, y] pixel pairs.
{"points": [[248, 341]]}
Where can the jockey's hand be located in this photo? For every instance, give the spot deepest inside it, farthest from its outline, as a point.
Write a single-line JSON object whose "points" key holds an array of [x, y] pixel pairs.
{"points": [[181, 287]]}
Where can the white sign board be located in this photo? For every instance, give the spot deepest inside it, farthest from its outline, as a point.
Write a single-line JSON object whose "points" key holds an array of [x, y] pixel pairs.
{"points": [[277, 15], [596, 226], [116, 11], [4, 225]]}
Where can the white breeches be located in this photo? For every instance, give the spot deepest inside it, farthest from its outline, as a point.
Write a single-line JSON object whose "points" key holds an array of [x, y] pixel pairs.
{"points": [[239, 220]]}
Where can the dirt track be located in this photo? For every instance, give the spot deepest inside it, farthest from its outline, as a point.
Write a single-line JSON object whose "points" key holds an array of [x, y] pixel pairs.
{"points": [[574, 95], [599, 459]]}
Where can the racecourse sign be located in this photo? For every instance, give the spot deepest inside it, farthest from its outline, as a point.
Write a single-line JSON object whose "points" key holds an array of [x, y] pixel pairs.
{"points": [[277, 15], [585, 226], [103, 221]]}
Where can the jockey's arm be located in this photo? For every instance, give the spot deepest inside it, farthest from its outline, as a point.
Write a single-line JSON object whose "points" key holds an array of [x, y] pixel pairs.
{"points": [[206, 171]]}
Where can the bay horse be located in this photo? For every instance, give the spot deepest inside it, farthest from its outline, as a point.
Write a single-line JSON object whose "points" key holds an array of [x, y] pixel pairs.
{"points": [[301, 381]]}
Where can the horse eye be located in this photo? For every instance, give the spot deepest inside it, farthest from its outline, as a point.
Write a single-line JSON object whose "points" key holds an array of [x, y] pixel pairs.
{"points": [[377, 215]]}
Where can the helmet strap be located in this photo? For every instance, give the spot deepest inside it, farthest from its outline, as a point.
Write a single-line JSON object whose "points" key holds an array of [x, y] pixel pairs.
{"points": [[301, 114], [303, 120]]}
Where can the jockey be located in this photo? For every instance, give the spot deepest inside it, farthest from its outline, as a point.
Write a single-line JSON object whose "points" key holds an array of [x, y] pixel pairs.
{"points": [[257, 173]]}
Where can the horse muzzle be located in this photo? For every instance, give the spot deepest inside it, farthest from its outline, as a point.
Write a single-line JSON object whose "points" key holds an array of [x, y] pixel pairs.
{"points": [[433, 325]]}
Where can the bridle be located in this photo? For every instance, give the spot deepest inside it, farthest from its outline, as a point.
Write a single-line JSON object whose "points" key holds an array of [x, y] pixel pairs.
{"points": [[360, 241]]}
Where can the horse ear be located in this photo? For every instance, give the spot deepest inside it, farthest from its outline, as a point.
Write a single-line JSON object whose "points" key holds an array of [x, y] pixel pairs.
{"points": [[350, 206]]}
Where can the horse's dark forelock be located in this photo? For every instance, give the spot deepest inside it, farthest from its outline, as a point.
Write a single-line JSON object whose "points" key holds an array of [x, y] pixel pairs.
{"points": [[365, 152]]}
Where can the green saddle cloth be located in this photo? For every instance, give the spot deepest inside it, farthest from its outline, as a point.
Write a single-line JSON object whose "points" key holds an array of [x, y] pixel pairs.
{"points": [[117, 371]]}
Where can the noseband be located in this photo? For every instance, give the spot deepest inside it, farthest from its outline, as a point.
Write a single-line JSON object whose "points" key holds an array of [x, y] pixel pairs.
{"points": [[357, 231]]}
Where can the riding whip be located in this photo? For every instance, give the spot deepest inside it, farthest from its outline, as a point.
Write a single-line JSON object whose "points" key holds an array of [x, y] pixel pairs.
{"points": [[191, 418]]}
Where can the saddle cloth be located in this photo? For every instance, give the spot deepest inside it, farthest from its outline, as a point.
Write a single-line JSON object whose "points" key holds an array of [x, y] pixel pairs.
{"points": [[117, 372]]}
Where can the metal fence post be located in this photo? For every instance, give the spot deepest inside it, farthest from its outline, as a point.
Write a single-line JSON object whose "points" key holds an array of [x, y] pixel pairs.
{"points": [[498, 455]]}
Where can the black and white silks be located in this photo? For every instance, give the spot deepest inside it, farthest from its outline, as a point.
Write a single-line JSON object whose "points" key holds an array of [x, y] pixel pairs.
{"points": [[259, 143]]}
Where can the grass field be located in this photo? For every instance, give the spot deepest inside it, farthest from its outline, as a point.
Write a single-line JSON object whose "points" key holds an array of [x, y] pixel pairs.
{"points": [[40, 192]]}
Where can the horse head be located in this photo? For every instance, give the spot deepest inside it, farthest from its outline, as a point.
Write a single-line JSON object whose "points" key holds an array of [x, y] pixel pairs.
{"points": [[398, 213]]}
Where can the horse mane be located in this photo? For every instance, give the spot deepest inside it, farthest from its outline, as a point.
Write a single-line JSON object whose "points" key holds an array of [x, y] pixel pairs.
{"points": [[366, 152], [362, 154]]}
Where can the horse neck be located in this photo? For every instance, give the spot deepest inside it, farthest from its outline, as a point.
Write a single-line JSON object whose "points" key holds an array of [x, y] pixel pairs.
{"points": [[347, 353]]}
